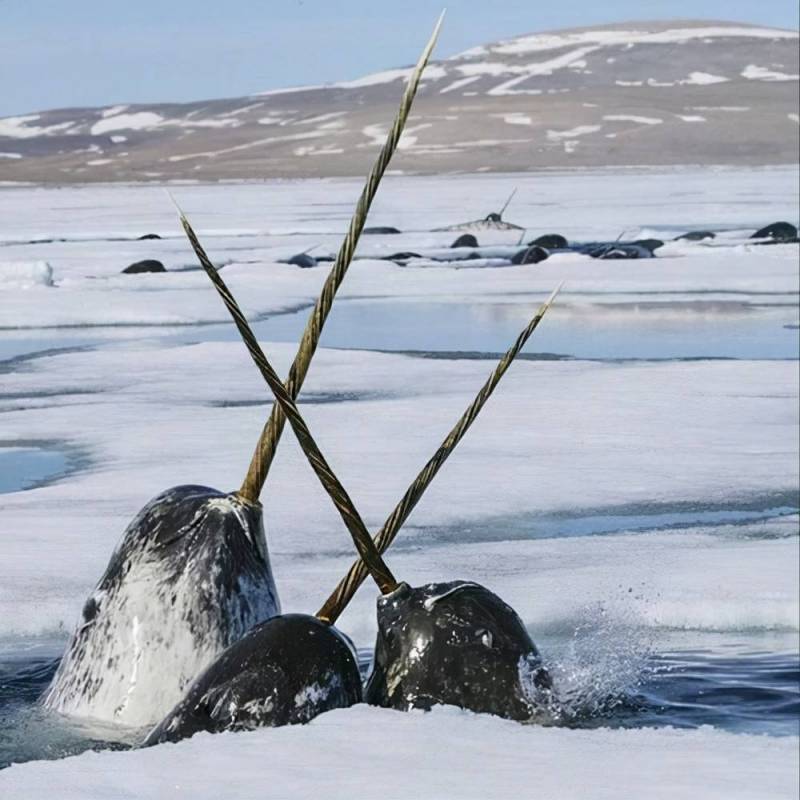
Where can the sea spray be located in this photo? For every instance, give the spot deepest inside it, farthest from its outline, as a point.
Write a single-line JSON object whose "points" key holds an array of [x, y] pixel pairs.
{"points": [[601, 666]]}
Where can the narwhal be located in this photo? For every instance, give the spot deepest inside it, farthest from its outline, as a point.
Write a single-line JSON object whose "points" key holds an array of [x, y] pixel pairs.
{"points": [[491, 222], [455, 642], [192, 572]]}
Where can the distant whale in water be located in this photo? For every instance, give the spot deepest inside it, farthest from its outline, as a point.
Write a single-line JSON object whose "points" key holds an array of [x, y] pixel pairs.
{"points": [[777, 232], [190, 576], [455, 643], [491, 222]]}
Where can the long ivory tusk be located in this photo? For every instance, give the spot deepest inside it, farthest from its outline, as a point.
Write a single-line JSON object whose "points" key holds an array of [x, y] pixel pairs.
{"points": [[352, 520], [347, 587], [270, 436]]}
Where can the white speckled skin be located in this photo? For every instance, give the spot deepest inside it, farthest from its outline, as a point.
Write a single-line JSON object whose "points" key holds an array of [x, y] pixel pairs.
{"points": [[190, 576]]}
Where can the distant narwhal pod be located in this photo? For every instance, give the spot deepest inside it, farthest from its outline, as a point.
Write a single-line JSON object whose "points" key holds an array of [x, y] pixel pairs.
{"points": [[458, 644], [190, 576]]}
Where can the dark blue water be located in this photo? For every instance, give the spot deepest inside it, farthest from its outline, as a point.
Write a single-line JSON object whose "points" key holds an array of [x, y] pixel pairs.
{"points": [[27, 732], [743, 691]]}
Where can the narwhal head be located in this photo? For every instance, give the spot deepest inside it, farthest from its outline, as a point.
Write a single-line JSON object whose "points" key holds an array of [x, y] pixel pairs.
{"points": [[284, 671], [455, 643], [190, 576], [194, 528]]}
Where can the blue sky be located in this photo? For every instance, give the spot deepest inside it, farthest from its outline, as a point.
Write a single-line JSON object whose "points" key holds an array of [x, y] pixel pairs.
{"points": [[55, 53]]}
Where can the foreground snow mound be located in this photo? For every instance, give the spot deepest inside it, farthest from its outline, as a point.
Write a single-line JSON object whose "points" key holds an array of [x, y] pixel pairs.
{"points": [[24, 274], [443, 754]]}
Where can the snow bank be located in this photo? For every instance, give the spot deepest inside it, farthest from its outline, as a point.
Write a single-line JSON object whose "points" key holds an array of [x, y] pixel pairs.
{"points": [[443, 754], [540, 447], [139, 120], [24, 274], [755, 73]]}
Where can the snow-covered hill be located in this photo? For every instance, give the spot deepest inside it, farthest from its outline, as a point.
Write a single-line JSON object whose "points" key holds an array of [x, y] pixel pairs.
{"points": [[645, 93]]}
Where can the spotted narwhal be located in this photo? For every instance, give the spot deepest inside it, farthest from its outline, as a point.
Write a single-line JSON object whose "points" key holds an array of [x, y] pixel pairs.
{"points": [[192, 572], [491, 222]]}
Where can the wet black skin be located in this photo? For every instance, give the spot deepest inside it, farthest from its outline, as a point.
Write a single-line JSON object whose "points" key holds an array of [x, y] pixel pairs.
{"points": [[302, 260], [285, 671], [551, 241], [466, 240], [467, 648], [613, 252], [696, 236]]}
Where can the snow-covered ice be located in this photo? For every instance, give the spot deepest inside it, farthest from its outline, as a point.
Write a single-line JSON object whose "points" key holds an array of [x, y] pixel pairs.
{"points": [[444, 754], [642, 460], [23, 274]]}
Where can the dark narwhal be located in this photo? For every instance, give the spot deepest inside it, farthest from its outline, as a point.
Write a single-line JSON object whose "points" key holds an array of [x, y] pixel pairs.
{"points": [[777, 232], [192, 573], [284, 671], [458, 644]]}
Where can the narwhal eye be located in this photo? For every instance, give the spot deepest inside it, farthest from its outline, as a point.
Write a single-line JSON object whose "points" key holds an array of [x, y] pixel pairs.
{"points": [[484, 637], [90, 609]]}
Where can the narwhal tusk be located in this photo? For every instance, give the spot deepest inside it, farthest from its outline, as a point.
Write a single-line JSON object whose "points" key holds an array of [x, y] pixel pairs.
{"points": [[347, 587], [352, 520], [271, 434], [506, 204]]}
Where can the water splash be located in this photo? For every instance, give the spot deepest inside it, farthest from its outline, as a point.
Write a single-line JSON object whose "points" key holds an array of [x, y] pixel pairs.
{"points": [[601, 667]]}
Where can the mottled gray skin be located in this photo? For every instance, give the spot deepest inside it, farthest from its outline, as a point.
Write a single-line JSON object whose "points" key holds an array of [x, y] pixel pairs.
{"points": [[458, 644], [285, 671], [190, 576], [491, 222]]}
